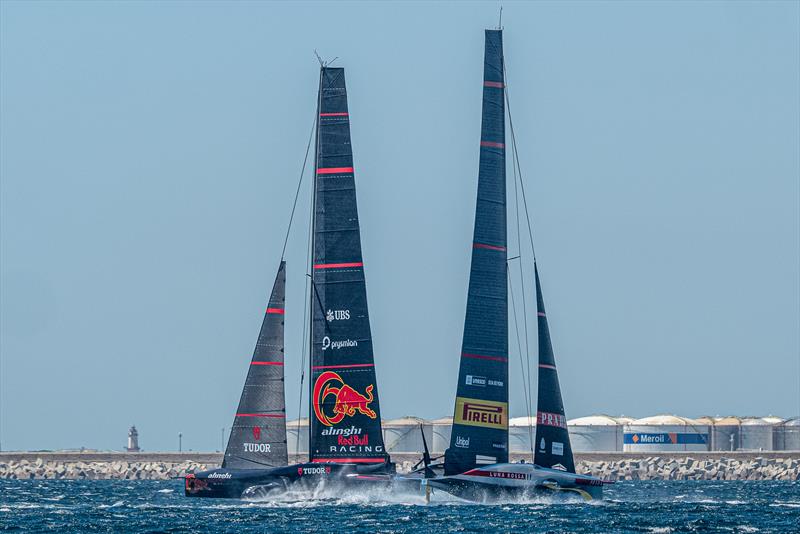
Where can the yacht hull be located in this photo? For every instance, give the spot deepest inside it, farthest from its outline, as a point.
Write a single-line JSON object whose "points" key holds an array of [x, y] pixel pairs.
{"points": [[238, 483], [503, 482]]}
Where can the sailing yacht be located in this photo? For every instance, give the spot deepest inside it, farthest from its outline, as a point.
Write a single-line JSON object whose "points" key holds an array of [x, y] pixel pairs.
{"points": [[346, 442], [476, 465]]}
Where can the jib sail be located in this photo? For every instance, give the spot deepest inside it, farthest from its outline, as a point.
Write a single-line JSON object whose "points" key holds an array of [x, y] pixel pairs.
{"points": [[345, 411], [258, 435], [480, 422], [552, 438]]}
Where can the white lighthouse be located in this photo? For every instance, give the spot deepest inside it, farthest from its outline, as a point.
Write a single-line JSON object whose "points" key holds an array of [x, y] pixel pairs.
{"points": [[133, 440]]}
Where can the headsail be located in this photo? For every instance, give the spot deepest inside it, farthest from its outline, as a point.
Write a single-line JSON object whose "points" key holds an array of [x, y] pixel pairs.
{"points": [[552, 438], [345, 413], [480, 422], [258, 435]]}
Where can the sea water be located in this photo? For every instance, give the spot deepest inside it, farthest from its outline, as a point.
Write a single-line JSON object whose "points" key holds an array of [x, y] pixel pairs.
{"points": [[160, 506]]}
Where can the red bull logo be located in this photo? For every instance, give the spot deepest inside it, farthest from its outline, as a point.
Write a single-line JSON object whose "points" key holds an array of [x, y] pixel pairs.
{"points": [[256, 433], [346, 400]]}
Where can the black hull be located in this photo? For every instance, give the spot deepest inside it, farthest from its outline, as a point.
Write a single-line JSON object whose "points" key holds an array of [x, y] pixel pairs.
{"points": [[238, 483], [490, 493]]}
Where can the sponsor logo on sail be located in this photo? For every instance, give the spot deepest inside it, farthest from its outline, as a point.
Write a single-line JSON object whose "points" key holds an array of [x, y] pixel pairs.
{"points": [[336, 345], [353, 440], [219, 475], [462, 443], [346, 400], [557, 448], [551, 419], [483, 413], [330, 431], [257, 433], [256, 447], [337, 315], [499, 446], [474, 380], [313, 470], [542, 445]]}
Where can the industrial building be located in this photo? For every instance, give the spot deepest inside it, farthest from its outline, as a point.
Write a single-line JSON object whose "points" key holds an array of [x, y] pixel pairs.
{"points": [[597, 433]]}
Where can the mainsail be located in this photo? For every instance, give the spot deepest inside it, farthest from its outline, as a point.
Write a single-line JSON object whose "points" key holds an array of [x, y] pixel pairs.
{"points": [[480, 419], [552, 438], [258, 435], [345, 412]]}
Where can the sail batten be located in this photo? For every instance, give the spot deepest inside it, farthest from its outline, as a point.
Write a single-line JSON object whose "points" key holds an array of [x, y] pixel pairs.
{"points": [[553, 448], [258, 434], [480, 418], [345, 411]]}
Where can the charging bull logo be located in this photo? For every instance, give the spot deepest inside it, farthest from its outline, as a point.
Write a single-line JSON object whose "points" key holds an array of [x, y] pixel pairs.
{"points": [[347, 401], [256, 433]]}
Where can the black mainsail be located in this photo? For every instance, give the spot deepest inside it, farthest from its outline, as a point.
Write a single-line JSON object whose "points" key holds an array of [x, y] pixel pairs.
{"points": [[480, 419], [553, 448], [258, 434], [345, 411]]}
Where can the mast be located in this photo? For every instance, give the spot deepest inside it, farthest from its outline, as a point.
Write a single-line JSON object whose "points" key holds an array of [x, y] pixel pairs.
{"points": [[480, 419], [258, 434], [345, 423], [553, 448]]}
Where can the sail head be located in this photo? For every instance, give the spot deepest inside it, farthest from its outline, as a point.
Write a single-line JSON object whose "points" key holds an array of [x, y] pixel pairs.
{"points": [[480, 419], [345, 411], [552, 445], [258, 435]]}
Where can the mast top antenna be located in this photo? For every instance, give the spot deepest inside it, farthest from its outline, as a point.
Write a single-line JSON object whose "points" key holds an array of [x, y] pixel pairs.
{"points": [[500, 22]]}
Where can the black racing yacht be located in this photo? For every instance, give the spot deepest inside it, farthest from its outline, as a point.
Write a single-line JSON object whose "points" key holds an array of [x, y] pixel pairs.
{"points": [[476, 465], [346, 443]]}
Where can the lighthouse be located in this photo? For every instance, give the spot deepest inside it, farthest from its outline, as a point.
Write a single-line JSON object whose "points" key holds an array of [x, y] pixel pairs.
{"points": [[133, 440]]}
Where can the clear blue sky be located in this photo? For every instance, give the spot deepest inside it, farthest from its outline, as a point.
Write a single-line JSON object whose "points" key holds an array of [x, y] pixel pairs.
{"points": [[150, 153]]}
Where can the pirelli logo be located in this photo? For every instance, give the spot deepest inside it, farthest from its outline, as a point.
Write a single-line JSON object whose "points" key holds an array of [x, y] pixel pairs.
{"points": [[479, 412]]}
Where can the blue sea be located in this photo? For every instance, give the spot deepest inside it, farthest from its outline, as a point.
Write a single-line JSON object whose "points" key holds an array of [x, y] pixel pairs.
{"points": [[159, 506]]}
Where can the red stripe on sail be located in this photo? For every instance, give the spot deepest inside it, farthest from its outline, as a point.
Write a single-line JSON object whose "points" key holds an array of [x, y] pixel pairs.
{"points": [[338, 265], [491, 144], [317, 367], [489, 247], [274, 415], [334, 170], [279, 311], [266, 363], [498, 85], [348, 460], [545, 366], [342, 114], [482, 357]]}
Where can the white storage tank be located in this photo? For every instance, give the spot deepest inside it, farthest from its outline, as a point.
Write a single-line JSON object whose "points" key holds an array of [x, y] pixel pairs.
{"points": [[663, 433], [595, 433], [441, 429], [297, 434], [757, 433], [787, 436], [404, 435], [521, 432]]}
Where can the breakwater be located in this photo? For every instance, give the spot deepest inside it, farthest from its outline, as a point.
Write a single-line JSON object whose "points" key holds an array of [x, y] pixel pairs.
{"points": [[611, 466]]}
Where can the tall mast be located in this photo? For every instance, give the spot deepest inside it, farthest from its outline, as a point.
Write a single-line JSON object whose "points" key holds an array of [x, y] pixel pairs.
{"points": [[480, 417], [345, 424]]}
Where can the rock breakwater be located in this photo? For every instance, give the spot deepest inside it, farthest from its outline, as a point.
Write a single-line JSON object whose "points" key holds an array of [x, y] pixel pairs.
{"points": [[162, 466]]}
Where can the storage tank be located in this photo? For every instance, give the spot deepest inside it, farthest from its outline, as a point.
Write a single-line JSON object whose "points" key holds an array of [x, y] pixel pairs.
{"points": [[663, 433], [440, 429], [520, 431], [757, 433], [403, 434], [297, 433], [725, 433], [787, 436], [595, 433]]}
